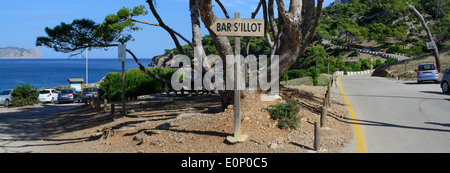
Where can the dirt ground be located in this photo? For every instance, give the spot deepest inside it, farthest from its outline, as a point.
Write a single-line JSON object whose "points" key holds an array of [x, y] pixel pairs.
{"points": [[196, 125]]}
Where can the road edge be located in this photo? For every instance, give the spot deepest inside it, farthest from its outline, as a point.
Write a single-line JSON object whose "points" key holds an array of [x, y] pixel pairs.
{"points": [[359, 138]]}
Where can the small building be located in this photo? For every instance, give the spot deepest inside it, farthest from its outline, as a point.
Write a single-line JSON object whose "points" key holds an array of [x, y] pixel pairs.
{"points": [[76, 83]]}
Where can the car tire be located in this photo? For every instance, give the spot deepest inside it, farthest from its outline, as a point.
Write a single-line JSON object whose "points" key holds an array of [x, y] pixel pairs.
{"points": [[6, 104], [445, 87]]}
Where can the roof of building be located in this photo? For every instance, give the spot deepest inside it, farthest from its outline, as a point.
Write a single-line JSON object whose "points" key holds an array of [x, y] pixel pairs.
{"points": [[76, 80]]}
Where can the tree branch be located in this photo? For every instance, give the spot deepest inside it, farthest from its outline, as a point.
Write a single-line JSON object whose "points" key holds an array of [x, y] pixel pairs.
{"points": [[267, 35], [313, 31], [208, 17], [145, 69], [163, 25], [247, 46], [223, 9], [175, 32]]}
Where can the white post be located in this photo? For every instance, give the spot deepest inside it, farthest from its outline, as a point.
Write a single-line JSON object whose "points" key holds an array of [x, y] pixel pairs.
{"points": [[87, 67]]}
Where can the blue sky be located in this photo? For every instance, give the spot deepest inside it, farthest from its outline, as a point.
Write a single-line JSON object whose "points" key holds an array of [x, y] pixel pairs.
{"points": [[22, 21]]}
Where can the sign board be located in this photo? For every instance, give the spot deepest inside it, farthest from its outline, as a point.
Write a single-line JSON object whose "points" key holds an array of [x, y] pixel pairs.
{"points": [[239, 27], [122, 52], [431, 45], [76, 86]]}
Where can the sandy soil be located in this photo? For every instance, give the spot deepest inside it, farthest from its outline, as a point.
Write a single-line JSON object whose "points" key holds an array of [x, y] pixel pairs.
{"points": [[195, 125]]}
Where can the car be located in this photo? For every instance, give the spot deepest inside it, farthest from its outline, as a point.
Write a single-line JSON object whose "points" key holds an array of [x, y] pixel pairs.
{"points": [[5, 97], [427, 72], [88, 93], [48, 95], [445, 82], [68, 95]]}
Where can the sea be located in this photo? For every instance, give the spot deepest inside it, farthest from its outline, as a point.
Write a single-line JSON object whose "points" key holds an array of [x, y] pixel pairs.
{"points": [[56, 72]]}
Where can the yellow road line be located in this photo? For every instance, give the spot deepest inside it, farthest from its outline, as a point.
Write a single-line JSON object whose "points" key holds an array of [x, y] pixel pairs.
{"points": [[359, 139]]}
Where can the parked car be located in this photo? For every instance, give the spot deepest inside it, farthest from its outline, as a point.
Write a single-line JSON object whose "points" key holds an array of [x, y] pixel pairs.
{"points": [[88, 93], [445, 83], [68, 95], [427, 72], [48, 95], [5, 97]]}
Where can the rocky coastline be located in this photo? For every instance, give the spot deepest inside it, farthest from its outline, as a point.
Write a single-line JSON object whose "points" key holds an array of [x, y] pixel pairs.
{"points": [[19, 53]]}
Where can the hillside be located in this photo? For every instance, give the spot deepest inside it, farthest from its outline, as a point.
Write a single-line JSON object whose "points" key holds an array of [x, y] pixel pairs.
{"points": [[19, 53], [398, 71], [386, 24]]}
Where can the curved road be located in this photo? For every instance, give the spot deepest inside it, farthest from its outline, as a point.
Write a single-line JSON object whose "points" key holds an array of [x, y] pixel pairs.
{"points": [[398, 116]]}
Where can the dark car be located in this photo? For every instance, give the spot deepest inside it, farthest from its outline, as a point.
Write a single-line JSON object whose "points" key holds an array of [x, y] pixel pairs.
{"points": [[68, 95], [445, 83], [89, 93]]}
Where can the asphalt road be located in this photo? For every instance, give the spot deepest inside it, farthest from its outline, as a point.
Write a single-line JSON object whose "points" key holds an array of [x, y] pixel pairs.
{"points": [[398, 116], [18, 126]]}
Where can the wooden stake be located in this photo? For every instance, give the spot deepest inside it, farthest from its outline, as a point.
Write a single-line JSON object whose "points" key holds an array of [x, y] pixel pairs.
{"points": [[113, 109], [323, 116], [316, 136]]}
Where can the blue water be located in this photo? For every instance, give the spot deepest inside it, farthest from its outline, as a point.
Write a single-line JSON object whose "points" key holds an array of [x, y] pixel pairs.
{"points": [[56, 72]]}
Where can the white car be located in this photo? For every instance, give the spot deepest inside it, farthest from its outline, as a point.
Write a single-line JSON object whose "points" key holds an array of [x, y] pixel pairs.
{"points": [[48, 95], [5, 97]]}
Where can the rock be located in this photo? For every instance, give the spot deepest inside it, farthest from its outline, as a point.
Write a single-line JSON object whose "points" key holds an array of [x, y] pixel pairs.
{"points": [[164, 126], [246, 119], [181, 140], [162, 60], [183, 115], [139, 139], [273, 145], [270, 97]]}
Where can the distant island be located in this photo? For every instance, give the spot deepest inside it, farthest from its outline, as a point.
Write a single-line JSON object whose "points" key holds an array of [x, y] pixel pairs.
{"points": [[19, 53]]}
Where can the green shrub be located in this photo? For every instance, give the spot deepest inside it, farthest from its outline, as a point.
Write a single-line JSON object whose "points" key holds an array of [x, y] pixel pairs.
{"points": [[339, 41], [285, 113], [393, 49], [390, 61], [137, 83], [354, 54], [353, 66], [296, 73], [314, 74], [378, 63], [24, 95]]}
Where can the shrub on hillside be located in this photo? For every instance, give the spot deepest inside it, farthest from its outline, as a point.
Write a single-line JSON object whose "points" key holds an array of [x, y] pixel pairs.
{"points": [[390, 61], [354, 54], [314, 73], [285, 113], [296, 73], [24, 95]]}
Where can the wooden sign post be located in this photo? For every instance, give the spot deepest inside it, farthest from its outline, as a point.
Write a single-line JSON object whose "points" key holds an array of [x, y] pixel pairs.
{"points": [[238, 28]]}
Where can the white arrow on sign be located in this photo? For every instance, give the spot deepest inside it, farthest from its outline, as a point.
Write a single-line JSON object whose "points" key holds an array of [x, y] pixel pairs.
{"points": [[239, 27]]}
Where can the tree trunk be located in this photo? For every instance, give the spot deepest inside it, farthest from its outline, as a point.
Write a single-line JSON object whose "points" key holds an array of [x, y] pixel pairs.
{"points": [[424, 24]]}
